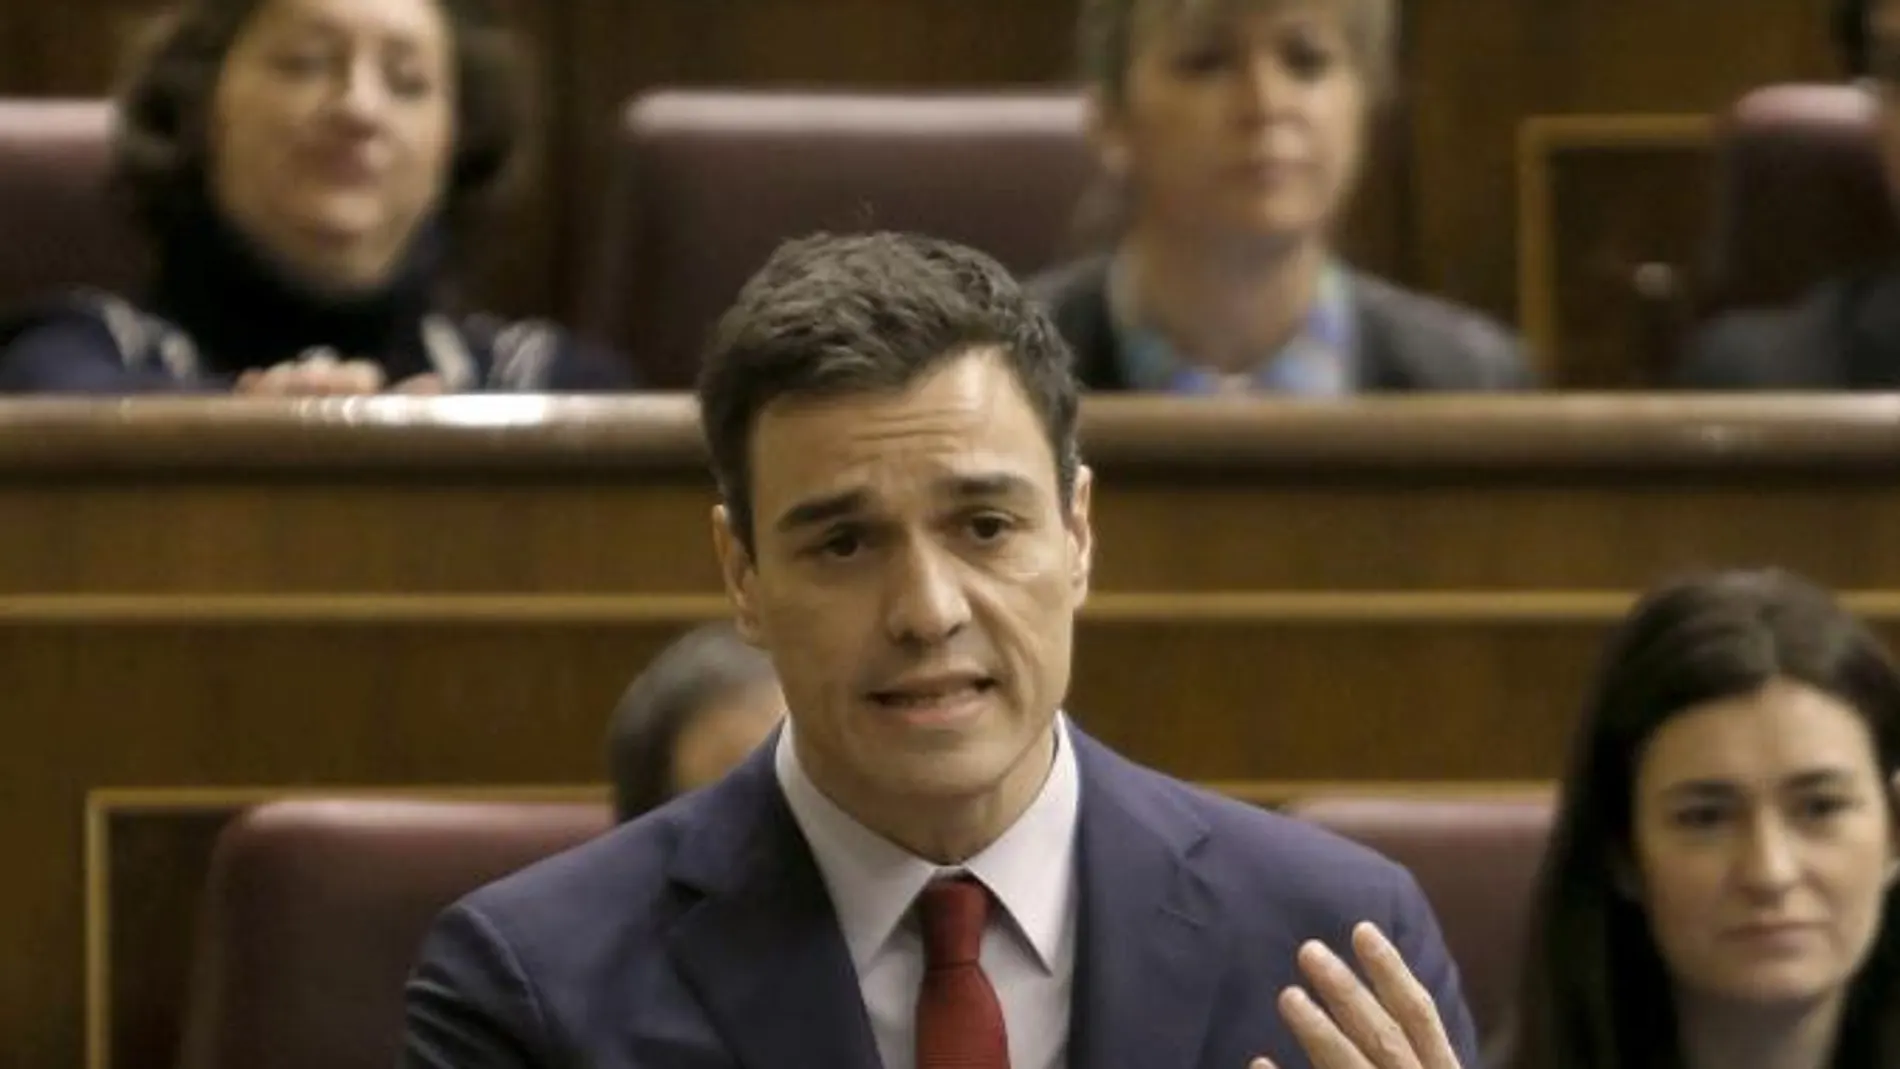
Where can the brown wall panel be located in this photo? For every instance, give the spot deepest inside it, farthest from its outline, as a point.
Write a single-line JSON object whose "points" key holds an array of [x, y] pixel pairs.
{"points": [[1247, 696], [611, 497], [498, 701], [1481, 67], [1611, 232], [156, 868], [1364, 532]]}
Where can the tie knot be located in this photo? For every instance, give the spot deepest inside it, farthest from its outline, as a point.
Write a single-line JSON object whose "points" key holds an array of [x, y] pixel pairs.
{"points": [[954, 913]]}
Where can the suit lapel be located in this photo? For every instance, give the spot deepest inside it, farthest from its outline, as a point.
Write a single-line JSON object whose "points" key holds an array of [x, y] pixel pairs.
{"points": [[762, 949], [1147, 964]]}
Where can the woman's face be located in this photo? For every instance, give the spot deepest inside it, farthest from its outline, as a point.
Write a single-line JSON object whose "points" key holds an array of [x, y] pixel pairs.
{"points": [[333, 130], [1239, 119], [1763, 846]]}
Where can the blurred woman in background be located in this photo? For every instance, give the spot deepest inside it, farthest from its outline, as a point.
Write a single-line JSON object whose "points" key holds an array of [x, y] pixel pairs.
{"points": [[309, 174], [698, 709], [1234, 132]]}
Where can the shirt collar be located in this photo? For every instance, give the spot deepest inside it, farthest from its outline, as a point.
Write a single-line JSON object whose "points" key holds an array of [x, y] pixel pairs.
{"points": [[873, 882], [1321, 360]]}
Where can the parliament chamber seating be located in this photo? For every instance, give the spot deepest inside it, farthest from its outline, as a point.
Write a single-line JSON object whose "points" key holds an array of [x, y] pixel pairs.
{"points": [[452, 593], [1476, 859], [707, 182], [1800, 195], [59, 227], [314, 909]]}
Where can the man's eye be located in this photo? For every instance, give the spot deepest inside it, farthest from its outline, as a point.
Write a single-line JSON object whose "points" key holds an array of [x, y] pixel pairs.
{"points": [[840, 546], [989, 527]]}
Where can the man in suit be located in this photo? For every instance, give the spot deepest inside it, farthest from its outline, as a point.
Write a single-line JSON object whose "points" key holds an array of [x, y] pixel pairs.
{"points": [[930, 864]]}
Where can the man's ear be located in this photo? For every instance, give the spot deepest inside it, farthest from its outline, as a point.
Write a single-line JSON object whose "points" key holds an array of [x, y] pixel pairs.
{"points": [[737, 570], [1081, 534]]}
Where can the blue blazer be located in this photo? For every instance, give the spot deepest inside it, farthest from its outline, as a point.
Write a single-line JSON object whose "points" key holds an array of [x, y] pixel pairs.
{"points": [[702, 936]]}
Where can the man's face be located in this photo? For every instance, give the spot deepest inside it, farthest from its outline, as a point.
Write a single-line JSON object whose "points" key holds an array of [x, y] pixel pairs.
{"points": [[915, 576]]}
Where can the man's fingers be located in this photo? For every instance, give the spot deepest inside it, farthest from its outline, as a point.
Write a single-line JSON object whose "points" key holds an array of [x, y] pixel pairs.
{"points": [[1391, 1024], [1403, 997], [1357, 1011], [1319, 1035]]}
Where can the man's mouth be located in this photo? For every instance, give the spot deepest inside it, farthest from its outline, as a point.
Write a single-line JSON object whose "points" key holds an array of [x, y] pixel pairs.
{"points": [[928, 693]]}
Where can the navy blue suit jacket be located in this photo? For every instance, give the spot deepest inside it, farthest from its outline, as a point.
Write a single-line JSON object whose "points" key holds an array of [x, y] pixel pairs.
{"points": [[702, 936]]}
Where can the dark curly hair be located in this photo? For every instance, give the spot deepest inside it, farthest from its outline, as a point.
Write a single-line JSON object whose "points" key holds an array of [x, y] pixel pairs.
{"points": [[164, 106]]}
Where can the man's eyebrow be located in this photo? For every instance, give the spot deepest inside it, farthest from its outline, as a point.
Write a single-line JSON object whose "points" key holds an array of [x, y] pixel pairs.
{"points": [[990, 485], [820, 510]]}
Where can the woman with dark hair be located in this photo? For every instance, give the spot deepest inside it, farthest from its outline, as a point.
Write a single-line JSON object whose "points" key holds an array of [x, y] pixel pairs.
{"points": [[697, 710], [308, 174], [1723, 853], [1233, 134]]}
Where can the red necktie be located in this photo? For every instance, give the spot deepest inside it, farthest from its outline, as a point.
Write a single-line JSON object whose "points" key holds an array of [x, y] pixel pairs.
{"points": [[959, 1021]]}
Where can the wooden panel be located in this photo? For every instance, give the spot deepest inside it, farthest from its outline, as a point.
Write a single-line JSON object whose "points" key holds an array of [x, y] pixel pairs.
{"points": [[79, 48], [1613, 209], [512, 266], [1483, 66], [454, 591], [509, 495], [156, 868], [15, 51], [1467, 691]]}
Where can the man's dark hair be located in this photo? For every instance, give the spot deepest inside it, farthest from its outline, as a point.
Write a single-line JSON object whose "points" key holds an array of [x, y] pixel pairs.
{"points": [[703, 666], [837, 315], [1851, 35]]}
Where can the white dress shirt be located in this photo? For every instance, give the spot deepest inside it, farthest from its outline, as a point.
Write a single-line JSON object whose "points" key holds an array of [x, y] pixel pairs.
{"points": [[1029, 947]]}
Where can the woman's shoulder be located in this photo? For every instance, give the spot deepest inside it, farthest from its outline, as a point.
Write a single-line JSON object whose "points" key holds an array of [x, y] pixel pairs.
{"points": [[1434, 343], [91, 339], [96, 315]]}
